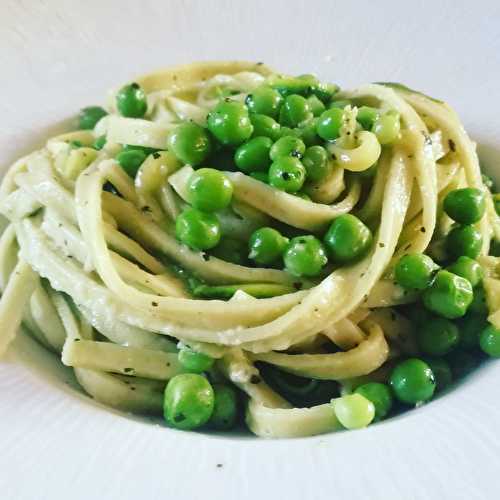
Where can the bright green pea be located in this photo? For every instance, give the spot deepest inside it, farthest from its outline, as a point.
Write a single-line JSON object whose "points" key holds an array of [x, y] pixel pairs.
{"points": [[287, 85], [387, 127], [412, 381], [380, 395], [190, 143], [330, 123], [265, 126], [489, 340], [292, 132], [464, 240], [442, 372], [229, 123], [305, 256], [307, 132], [415, 271], [194, 362], [367, 116], [266, 245], [198, 230], [131, 101], [89, 116], [260, 176], [225, 412], [295, 111], [437, 337], [287, 174], [470, 327], [467, 268], [131, 160], [325, 91], [209, 190], [231, 250], [253, 155], [347, 239], [449, 295], [265, 101], [316, 163], [354, 411], [479, 304], [465, 206], [188, 401], [287, 146], [100, 142], [316, 106]]}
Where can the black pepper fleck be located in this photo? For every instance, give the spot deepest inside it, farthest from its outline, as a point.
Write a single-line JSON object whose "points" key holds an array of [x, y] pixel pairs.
{"points": [[451, 144], [255, 379]]}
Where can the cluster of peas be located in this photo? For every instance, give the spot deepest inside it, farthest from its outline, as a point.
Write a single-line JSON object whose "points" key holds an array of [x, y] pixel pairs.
{"points": [[276, 137]]}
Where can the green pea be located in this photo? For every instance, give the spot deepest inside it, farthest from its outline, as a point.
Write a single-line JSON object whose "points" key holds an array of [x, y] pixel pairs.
{"points": [[225, 412], [130, 161], [449, 295], [188, 401], [466, 205], [316, 106], [479, 304], [89, 116], [467, 268], [354, 411], [470, 327], [231, 250], [489, 340], [442, 372], [340, 103], [100, 142], [190, 143], [294, 111], [307, 132], [131, 101], [209, 190], [412, 381], [266, 245], [265, 101], [437, 337], [287, 146], [260, 176], [229, 123], [198, 230], [287, 174], [292, 132], [380, 395], [367, 116], [287, 85], [496, 201], [348, 239], [194, 362], [265, 126], [464, 240], [415, 271], [316, 163], [330, 123], [325, 91], [305, 256], [253, 155], [387, 127]]}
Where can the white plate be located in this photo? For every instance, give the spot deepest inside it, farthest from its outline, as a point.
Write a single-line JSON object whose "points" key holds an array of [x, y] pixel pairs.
{"points": [[57, 56]]}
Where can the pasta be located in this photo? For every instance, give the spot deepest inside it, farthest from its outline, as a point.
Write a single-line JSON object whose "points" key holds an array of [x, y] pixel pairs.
{"points": [[221, 233]]}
